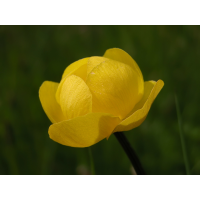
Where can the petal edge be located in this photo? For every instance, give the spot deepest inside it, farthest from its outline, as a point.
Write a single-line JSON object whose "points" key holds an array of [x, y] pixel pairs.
{"points": [[139, 115]]}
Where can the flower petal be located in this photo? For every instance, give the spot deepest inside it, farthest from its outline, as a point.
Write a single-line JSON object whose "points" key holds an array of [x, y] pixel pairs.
{"points": [[52, 109], [93, 62], [75, 97], [151, 90], [115, 88], [78, 68], [83, 131], [121, 56]]}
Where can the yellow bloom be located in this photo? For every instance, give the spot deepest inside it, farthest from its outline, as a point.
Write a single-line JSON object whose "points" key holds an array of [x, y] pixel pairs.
{"points": [[96, 97]]}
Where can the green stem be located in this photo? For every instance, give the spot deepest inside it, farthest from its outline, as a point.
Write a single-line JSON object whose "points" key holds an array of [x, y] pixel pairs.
{"points": [[130, 153], [91, 161], [185, 156]]}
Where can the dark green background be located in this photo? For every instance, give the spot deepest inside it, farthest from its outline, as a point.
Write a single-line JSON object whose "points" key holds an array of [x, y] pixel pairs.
{"points": [[30, 55]]}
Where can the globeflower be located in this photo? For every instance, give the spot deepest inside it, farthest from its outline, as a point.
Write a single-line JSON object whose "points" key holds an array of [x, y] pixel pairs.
{"points": [[97, 96]]}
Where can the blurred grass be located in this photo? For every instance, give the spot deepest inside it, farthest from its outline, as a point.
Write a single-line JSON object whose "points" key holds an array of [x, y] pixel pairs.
{"points": [[182, 138], [30, 55]]}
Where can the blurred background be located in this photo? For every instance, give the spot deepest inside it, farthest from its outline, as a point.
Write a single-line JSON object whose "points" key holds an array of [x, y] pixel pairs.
{"points": [[30, 55]]}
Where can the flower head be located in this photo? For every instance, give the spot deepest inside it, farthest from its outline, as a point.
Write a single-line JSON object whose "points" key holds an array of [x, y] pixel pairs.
{"points": [[96, 97]]}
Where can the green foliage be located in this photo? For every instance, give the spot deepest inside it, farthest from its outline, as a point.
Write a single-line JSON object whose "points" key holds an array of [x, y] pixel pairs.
{"points": [[30, 55]]}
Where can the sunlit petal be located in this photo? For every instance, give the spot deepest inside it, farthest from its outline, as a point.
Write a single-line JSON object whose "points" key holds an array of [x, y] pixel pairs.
{"points": [[75, 97], [78, 68], [115, 88]]}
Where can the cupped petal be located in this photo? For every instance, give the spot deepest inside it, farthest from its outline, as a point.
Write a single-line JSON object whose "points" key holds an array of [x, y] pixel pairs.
{"points": [[75, 97], [78, 68], [93, 62], [121, 56], [139, 113], [115, 88], [52, 109], [83, 131]]}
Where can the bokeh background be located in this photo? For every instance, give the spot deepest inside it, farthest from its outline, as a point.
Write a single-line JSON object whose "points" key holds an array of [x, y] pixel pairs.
{"points": [[30, 55]]}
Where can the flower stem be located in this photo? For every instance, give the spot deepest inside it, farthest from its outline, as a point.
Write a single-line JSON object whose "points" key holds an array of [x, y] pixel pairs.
{"points": [[130, 153]]}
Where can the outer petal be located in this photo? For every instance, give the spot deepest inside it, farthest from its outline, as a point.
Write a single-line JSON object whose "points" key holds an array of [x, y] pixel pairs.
{"points": [[78, 68], [47, 98], [151, 90], [75, 97], [121, 56], [115, 88], [83, 131]]}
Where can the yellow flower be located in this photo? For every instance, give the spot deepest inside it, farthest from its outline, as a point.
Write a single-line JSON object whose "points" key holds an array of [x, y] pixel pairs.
{"points": [[96, 97]]}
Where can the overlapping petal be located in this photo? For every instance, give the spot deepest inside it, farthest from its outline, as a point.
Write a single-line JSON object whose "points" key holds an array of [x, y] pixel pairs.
{"points": [[78, 68], [121, 56], [83, 131], [93, 62], [115, 88], [75, 97], [52, 109], [141, 110]]}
